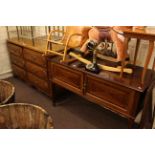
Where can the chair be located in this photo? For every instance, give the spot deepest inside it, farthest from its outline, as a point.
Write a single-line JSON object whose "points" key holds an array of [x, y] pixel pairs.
{"points": [[7, 92], [24, 116], [145, 117], [73, 37]]}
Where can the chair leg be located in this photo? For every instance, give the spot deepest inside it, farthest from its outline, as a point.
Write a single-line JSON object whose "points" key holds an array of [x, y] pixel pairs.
{"points": [[136, 51], [149, 54]]}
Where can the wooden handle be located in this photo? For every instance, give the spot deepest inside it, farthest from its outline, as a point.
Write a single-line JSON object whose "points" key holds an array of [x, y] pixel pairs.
{"points": [[103, 67]]}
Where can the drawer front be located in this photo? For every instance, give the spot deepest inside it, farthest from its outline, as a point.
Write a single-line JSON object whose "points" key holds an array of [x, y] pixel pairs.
{"points": [[17, 60], [36, 70], [34, 57], [67, 78], [39, 83], [14, 49], [115, 97], [19, 72]]}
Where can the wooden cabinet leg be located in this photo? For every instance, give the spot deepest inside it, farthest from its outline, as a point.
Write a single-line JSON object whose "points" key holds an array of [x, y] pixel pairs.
{"points": [[130, 123], [53, 94]]}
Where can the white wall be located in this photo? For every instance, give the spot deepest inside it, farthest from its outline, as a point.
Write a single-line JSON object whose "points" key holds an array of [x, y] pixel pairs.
{"points": [[142, 53], [5, 67]]}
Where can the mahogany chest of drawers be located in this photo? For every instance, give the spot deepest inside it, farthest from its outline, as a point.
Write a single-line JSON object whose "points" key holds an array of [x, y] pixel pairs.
{"points": [[30, 65]]}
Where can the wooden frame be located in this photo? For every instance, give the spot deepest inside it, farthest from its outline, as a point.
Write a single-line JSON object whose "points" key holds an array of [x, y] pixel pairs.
{"points": [[65, 41]]}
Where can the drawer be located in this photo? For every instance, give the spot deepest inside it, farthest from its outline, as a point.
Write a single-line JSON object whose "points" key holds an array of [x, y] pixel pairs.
{"points": [[17, 60], [38, 83], [36, 70], [67, 78], [19, 72], [112, 96], [14, 49], [34, 57]]}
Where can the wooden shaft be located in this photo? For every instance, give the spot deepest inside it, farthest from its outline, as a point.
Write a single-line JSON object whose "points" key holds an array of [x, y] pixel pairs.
{"points": [[126, 41], [32, 35], [153, 67], [17, 32], [136, 51], [58, 28], [151, 47], [7, 28], [122, 67], [53, 27], [46, 30], [54, 52], [108, 68], [49, 29]]}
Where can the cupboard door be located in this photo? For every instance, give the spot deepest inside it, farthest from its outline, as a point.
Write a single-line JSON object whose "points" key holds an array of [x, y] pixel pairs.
{"points": [[67, 78], [113, 96]]}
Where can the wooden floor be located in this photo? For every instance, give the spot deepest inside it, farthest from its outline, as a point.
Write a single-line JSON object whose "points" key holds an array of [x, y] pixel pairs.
{"points": [[71, 112]]}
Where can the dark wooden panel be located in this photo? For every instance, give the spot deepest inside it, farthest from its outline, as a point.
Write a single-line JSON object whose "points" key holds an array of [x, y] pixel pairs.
{"points": [[17, 60], [37, 70], [113, 96], [14, 49], [19, 72], [49, 69], [34, 57], [38, 83], [67, 78]]}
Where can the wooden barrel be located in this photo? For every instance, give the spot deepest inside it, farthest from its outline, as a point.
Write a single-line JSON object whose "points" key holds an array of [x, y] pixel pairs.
{"points": [[7, 92], [24, 116]]}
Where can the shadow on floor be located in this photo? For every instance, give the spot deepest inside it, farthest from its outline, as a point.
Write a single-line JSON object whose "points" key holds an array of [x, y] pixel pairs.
{"points": [[73, 112]]}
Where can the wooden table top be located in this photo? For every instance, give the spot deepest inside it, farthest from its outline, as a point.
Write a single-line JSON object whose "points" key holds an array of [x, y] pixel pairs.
{"points": [[39, 45], [147, 33], [132, 81]]}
